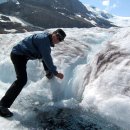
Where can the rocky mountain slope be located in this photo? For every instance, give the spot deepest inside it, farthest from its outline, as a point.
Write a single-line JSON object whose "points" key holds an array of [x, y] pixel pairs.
{"points": [[53, 13]]}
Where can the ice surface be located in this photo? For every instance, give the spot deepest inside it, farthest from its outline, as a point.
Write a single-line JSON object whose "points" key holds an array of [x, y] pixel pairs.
{"points": [[94, 93]]}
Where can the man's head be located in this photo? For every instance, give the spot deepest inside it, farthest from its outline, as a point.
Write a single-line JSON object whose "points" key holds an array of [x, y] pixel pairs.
{"points": [[58, 36]]}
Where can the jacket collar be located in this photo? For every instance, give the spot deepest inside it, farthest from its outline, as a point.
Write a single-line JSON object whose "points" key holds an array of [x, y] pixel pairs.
{"points": [[50, 38]]}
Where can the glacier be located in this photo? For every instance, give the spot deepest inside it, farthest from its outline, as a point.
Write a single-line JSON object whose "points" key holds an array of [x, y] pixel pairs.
{"points": [[94, 94]]}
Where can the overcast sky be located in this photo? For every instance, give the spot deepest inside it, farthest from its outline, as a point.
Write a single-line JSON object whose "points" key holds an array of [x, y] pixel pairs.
{"points": [[117, 7]]}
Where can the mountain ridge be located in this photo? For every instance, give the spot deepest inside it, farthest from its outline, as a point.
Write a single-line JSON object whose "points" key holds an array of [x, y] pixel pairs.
{"points": [[54, 13]]}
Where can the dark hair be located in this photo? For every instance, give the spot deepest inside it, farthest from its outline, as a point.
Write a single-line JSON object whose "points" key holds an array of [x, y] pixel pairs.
{"points": [[61, 34]]}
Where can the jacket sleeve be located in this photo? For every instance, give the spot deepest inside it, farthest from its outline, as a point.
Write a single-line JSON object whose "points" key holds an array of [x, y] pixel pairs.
{"points": [[47, 59], [43, 46], [44, 65]]}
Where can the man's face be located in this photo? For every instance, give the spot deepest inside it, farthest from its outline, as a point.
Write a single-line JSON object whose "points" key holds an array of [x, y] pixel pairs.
{"points": [[55, 38]]}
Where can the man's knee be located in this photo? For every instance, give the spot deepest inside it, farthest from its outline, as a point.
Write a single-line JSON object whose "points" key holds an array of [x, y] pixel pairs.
{"points": [[22, 80]]}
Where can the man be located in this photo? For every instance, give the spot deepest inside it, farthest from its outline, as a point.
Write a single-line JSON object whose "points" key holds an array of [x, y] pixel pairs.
{"points": [[37, 46]]}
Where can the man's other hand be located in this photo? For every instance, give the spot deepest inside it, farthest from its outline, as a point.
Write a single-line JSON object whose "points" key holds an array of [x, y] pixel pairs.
{"points": [[60, 75]]}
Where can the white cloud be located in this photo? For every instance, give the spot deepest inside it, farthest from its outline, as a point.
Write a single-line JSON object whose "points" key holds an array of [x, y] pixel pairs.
{"points": [[106, 2], [109, 5], [114, 5]]}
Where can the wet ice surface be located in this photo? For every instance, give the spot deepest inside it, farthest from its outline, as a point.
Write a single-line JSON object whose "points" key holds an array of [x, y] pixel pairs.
{"points": [[94, 93]]}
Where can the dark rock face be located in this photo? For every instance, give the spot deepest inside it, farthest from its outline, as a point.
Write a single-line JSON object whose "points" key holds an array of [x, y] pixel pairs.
{"points": [[53, 13], [6, 25]]}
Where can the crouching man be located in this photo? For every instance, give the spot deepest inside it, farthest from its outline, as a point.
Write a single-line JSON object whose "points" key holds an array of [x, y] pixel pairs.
{"points": [[37, 46]]}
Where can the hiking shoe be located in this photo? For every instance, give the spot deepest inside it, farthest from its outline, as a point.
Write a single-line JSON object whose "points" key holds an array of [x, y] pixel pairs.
{"points": [[4, 112], [49, 75]]}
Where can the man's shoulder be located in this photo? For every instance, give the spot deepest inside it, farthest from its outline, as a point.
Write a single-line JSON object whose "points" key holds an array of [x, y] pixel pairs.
{"points": [[40, 37], [42, 34]]}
